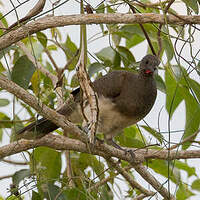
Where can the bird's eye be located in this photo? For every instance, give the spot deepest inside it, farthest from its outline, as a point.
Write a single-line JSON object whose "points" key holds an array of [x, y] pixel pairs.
{"points": [[147, 62]]}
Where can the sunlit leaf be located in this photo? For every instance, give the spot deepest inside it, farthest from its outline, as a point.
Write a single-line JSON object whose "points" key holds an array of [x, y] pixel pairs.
{"points": [[134, 40], [130, 138], [35, 81], [183, 192], [4, 121], [184, 166], [42, 38], [4, 102], [160, 166], [196, 185], [2, 69]]}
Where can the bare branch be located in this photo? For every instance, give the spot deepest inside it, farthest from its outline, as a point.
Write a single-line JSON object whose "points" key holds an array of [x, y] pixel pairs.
{"points": [[59, 21], [59, 142], [45, 111], [6, 176], [14, 162], [33, 12], [154, 183], [130, 179]]}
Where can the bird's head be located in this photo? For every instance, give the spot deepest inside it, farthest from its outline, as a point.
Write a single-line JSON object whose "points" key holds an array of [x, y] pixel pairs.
{"points": [[149, 65]]}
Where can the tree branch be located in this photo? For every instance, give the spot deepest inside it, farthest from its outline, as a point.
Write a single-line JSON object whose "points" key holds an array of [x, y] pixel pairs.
{"points": [[153, 182], [129, 178], [60, 142], [58, 21], [45, 111]]}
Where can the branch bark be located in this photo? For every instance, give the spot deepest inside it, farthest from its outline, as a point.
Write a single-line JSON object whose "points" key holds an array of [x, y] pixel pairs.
{"points": [[58, 21], [59, 142], [42, 109]]}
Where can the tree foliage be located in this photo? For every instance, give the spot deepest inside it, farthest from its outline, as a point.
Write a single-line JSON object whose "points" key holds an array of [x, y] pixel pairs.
{"points": [[70, 174]]}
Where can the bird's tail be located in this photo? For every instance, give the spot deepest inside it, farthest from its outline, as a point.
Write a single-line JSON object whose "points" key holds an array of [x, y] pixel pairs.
{"points": [[44, 126], [36, 129]]}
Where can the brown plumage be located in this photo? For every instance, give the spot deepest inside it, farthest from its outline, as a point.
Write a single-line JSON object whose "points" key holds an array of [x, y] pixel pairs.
{"points": [[124, 98]]}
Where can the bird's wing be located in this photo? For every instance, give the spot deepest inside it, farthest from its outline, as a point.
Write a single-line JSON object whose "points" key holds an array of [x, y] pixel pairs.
{"points": [[110, 85]]}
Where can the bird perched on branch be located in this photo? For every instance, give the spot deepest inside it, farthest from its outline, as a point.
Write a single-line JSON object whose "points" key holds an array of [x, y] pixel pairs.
{"points": [[124, 98]]}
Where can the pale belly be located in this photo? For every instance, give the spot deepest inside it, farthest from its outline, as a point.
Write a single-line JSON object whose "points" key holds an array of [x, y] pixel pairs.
{"points": [[110, 122]]}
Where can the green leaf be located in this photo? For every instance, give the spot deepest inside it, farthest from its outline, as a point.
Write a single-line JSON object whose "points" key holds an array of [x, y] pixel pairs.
{"points": [[109, 9], [1, 134], [13, 197], [184, 166], [192, 111], [183, 192], [94, 68], [42, 38], [173, 92], [86, 160], [20, 175], [4, 102], [75, 193], [49, 161], [35, 82], [195, 87], [35, 196], [100, 8], [3, 19], [74, 81], [116, 38], [154, 133], [160, 83], [22, 72], [54, 192], [70, 51], [193, 4], [109, 56], [196, 185], [130, 138], [52, 47], [161, 166], [5, 121], [134, 40], [126, 56], [2, 69], [168, 47]]}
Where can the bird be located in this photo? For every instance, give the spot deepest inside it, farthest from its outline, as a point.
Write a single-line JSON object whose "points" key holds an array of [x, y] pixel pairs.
{"points": [[124, 98]]}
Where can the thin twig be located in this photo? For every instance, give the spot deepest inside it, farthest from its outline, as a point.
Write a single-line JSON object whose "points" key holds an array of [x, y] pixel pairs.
{"points": [[129, 178], [153, 182]]}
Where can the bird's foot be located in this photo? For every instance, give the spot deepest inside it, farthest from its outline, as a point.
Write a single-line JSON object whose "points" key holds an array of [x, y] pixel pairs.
{"points": [[111, 142]]}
